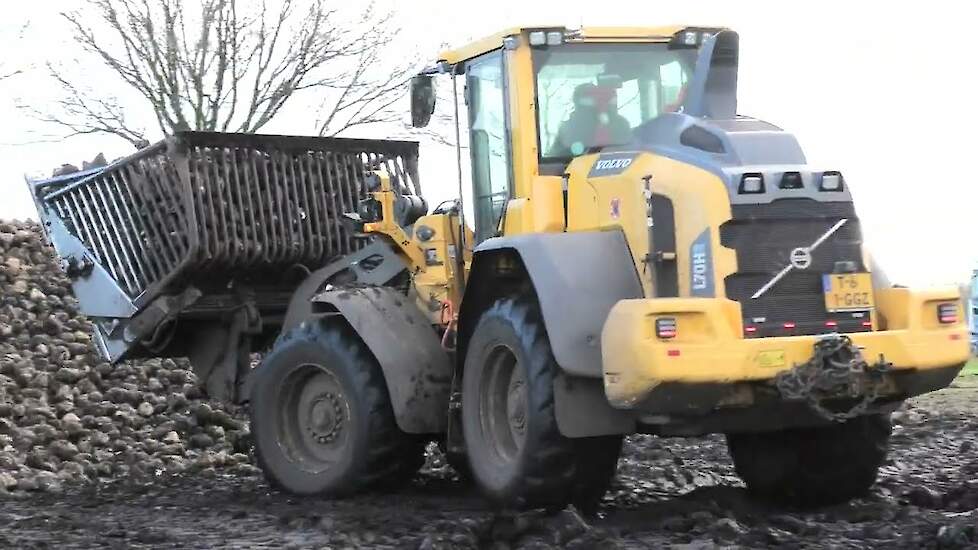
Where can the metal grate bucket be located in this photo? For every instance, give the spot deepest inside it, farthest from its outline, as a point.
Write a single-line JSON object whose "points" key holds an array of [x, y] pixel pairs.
{"points": [[204, 206]]}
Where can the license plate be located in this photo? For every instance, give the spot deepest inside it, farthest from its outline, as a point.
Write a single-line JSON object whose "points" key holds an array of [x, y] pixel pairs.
{"points": [[848, 292]]}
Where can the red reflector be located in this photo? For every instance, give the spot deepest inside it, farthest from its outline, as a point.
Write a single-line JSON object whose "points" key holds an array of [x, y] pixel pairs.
{"points": [[831, 324], [673, 353], [955, 337], [868, 324], [750, 330], [789, 325]]}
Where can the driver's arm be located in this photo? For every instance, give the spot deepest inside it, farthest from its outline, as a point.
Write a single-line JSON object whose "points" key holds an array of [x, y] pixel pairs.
{"points": [[559, 147]]}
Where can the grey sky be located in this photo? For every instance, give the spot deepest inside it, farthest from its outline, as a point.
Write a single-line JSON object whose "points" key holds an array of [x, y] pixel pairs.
{"points": [[883, 91]]}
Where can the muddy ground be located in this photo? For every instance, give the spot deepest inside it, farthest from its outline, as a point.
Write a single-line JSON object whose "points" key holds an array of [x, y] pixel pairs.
{"points": [[133, 456], [669, 493]]}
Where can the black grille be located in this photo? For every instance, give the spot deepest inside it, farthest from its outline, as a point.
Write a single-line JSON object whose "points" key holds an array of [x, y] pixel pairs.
{"points": [[763, 235]]}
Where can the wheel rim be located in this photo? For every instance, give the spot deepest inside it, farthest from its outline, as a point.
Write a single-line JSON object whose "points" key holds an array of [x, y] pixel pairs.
{"points": [[314, 418], [503, 404]]}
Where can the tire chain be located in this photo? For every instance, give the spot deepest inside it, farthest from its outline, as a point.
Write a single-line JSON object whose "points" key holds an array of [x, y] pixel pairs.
{"points": [[836, 368]]}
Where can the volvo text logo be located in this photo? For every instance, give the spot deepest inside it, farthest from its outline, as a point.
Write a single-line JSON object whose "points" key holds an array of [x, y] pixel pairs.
{"points": [[801, 258], [612, 164]]}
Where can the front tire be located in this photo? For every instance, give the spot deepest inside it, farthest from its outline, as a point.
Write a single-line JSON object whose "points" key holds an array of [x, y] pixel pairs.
{"points": [[321, 416], [517, 454], [809, 467]]}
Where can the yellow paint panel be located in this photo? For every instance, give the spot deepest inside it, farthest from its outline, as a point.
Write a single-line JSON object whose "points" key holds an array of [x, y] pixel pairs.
{"points": [[700, 201]]}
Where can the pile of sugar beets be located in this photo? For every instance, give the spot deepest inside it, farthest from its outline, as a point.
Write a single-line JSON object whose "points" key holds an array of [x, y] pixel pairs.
{"points": [[68, 417]]}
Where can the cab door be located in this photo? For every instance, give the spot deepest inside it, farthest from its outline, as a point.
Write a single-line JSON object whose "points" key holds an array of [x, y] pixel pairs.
{"points": [[489, 141]]}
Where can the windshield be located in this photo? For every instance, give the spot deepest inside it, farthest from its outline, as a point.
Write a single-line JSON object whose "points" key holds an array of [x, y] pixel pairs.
{"points": [[594, 95]]}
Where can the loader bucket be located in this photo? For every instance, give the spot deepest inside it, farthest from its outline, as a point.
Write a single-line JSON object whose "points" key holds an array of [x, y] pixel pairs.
{"points": [[210, 212]]}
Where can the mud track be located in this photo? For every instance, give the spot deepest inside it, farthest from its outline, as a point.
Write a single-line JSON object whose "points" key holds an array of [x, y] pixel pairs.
{"points": [[679, 493]]}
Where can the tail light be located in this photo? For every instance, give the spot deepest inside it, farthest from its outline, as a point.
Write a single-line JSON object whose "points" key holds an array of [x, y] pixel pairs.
{"points": [[751, 183], [665, 327], [947, 313], [791, 180], [832, 181]]}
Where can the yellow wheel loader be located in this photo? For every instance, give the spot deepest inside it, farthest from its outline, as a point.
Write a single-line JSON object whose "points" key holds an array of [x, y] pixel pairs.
{"points": [[642, 259]]}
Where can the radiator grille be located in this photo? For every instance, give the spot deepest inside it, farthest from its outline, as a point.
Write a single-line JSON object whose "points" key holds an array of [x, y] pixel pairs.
{"points": [[763, 235]]}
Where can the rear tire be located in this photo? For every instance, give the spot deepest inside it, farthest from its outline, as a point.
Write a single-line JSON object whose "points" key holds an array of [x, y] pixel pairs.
{"points": [[321, 416], [517, 455], [809, 467]]}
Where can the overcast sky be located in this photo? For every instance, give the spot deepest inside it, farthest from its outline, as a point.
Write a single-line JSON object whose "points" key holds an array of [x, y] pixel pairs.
{"points": [[882, 92]]}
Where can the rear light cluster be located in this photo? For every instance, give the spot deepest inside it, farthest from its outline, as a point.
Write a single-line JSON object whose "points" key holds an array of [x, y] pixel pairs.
{"points": [[772, 329], [753, 182], [947, 313], [665, 327]]}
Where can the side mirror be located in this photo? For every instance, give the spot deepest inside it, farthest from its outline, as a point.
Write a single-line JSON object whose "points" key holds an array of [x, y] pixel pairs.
{"points": [[422, 100]]}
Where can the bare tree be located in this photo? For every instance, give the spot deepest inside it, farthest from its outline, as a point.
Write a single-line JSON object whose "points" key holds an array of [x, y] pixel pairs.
{"points": [[217, 65]]}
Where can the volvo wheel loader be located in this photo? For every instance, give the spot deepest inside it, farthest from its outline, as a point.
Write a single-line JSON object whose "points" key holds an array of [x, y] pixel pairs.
{"points": [[642, 259]]}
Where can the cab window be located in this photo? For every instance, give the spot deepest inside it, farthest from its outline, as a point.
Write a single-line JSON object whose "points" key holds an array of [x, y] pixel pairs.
{"points": [[488, 142], [594, 95]]}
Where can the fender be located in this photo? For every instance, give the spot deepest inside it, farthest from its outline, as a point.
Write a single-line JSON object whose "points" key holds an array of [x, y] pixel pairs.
{"points": [[577, 278], [374, 264], [417, 370]]}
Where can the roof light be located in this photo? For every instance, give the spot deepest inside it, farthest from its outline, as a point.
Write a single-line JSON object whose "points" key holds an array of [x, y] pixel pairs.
{"points": [[751, 183], [831, 181], [947, 313], [538, 38], [691, 38], [555, 38], [665, 327]]}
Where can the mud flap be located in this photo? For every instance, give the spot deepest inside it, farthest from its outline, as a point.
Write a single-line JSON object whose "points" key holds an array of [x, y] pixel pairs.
{"points": [[582, 410], [417, 370]]}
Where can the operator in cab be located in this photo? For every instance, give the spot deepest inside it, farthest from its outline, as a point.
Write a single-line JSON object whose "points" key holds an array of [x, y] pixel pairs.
{"points": [[594, 122]]}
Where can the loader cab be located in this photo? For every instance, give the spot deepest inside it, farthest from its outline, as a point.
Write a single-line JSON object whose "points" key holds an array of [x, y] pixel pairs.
{"points": [[533, 99]]}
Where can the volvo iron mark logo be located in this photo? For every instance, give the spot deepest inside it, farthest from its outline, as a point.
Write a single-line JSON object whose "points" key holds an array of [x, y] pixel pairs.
{"points": [[801, 258]]}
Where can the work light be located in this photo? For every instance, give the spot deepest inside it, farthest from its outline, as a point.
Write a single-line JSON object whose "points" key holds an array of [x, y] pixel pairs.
{"points": [[831, 181], [752, 183]]}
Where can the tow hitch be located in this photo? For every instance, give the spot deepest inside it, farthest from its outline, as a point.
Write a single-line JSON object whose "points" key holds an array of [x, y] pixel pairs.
{"points": [[836, 370]]}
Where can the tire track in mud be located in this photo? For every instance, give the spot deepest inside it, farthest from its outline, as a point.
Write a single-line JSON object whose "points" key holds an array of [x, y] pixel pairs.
{"points": [[669, 492]]}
